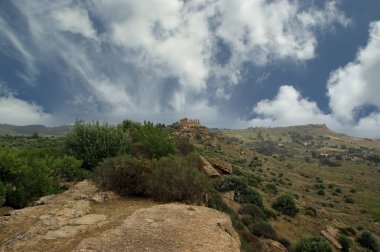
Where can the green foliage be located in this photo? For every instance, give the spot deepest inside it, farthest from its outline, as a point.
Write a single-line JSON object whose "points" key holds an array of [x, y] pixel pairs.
{"points": [[229, 183], [93, 142], [184, 146], [338, 190], [25, 175], [366, 240], [252, 210], [310, 211], [286, 205], [148, 140], [125, 175], [178, 179], [269, 214], [271, 187], [347, 231], [345, 242], [313, 244], [263, 229], [284, 242], [321, 192], [349, 199], [247, 194], [69, 168]]}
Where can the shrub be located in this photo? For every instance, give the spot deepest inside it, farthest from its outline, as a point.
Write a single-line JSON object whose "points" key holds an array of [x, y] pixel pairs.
{"points": [[247, 220], [321, 192], [263, 229], [252, 210], [347, 231], [345, 242], [338, 190], [353, 190], [331, 186], [313, 244], [69, 168], [284, 242], [247, 194], [286, 205], [349, 199], [359, 227], [272, 188], [92, 142], [125, 175], [25, 175], [178, 179], [310, 211], [184, 146], [269, 214], [366, 240]]}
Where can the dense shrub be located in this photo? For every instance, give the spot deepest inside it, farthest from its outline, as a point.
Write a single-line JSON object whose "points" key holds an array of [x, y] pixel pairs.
{"points": [[125, 175], [313, 244], [286, 205], [349, 199], [321, 192], [271, 187], [184, 146], [345, 242], [263, 229], [247, 194], [310, 211], [229, 183], [284, 242], [25, 175], [366, 240], [69, 168], [178, 179], [92, 142], [269, 214], [252, 210], [148, 140]]}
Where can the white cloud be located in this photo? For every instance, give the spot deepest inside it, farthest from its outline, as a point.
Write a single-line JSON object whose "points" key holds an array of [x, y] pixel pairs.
{"points": [[75, 20], [290, 108], [357, 83], [19, 112]]}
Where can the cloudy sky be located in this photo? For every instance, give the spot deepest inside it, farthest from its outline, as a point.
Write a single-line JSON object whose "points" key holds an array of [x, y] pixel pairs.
{"points": [[230, 63]]}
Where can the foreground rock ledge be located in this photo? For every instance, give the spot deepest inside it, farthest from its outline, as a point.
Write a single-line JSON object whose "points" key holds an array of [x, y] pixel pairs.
{"points": [[170, 227]]}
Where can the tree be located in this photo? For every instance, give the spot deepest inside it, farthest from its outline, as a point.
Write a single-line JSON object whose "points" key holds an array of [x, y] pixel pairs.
{"points": [[286, 205]]}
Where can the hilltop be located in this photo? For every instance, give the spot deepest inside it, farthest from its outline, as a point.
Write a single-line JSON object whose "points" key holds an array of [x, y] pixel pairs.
{"points": [[28, 130]]}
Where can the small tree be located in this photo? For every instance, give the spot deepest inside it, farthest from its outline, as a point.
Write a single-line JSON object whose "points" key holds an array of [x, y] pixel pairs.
{"points": [[286, 205]]}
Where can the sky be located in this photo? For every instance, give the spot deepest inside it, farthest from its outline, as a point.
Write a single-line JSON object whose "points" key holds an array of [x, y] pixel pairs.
{"points": [[229, 63]]}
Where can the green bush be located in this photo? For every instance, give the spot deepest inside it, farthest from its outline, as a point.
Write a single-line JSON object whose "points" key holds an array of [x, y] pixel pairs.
{"points": [[286, 205], [252, 210], [366, 240], [184, 146], [247, 194], [263, 229], [338, 190], [284, 242], [25, 175], [310, 211], [313, 244], [269, 214], [271, 187], [345, 242], [321, 192], [349, 199], [347, 231], [93, 142], [125, 175], [69, 168], [178, 179], [148, 140]]}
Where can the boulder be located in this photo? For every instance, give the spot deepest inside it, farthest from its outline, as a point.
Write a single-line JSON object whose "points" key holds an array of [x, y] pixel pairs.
{"points": [[207, 168], [222, 166]]}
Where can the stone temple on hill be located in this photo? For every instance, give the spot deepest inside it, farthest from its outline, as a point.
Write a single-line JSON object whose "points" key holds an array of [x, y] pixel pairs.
{"points": [[188, 123]]}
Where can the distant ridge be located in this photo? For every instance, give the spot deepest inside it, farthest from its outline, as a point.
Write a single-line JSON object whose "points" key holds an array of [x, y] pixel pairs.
{"points": [[28, 130]]}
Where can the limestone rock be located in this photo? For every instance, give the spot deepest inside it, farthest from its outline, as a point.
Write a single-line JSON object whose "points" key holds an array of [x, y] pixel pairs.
{"points": [[222, 166], [207, 168], [170, 227]]}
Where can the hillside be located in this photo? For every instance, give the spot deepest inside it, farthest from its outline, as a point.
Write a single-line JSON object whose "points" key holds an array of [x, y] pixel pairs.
{"points": [[28, 130], [330, 182]]}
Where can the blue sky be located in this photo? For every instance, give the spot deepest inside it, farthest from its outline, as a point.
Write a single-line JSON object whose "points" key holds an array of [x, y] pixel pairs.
{"points": [[230, 63]]}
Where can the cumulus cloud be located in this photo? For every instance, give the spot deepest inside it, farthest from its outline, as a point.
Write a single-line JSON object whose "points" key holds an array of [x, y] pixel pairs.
{"points": [[161, 57], [290, 108], [357, 84], [19, 112]]}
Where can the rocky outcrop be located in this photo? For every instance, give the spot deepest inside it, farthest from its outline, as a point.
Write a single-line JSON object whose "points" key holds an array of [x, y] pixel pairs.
{"points": [[170, 227], [222, 166], [86, 219], [207, 168], [331, 234]]}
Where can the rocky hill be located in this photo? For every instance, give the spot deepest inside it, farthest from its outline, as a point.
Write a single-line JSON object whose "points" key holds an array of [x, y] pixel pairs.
{"points": [[86, 219]]}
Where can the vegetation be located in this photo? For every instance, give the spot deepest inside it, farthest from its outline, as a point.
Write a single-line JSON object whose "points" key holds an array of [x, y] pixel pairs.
{"points": [[263, 229], [93, 142], [366, 240], [313, 244], [286, 205], [345, 242]]}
